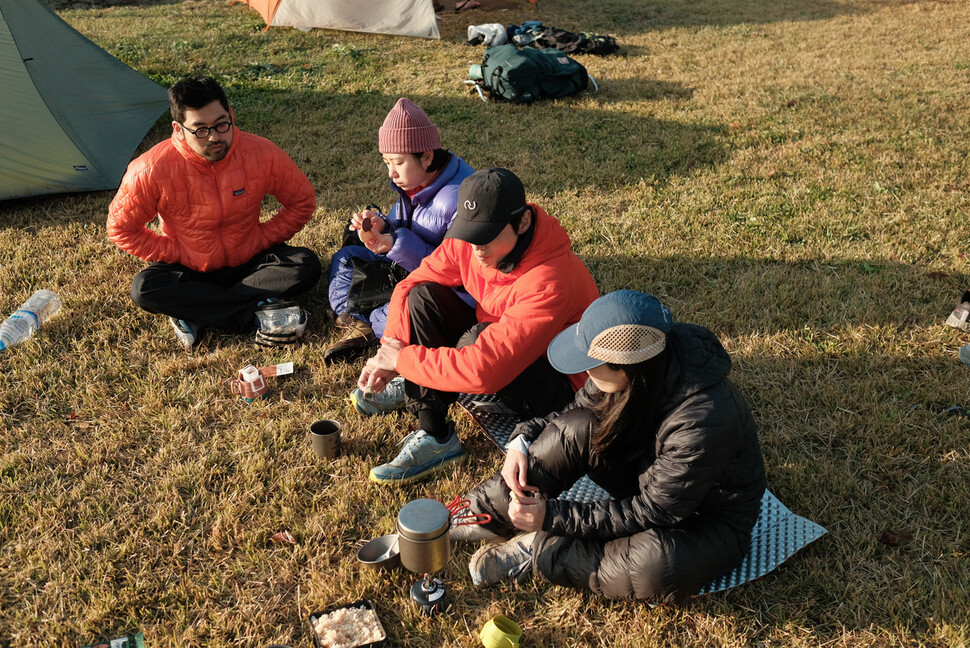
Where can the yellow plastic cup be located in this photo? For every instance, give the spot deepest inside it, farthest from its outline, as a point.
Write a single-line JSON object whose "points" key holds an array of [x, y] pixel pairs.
{"points": [[501, 632]]}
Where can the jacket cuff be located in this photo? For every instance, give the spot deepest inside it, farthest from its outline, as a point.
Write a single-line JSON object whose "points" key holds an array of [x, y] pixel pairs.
{"points": [[519, 443]]}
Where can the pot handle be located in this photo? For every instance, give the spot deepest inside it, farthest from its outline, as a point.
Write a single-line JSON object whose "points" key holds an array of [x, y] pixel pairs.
{"points": [[479, 518]]}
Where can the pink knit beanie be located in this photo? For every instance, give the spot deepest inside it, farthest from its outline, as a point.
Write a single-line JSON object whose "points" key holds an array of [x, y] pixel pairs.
{"points": [[407, 129]]}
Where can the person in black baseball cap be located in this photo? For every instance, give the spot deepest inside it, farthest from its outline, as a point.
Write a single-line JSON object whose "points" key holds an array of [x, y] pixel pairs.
{"points": [[515, 260], [494, 217], [487, 202]]}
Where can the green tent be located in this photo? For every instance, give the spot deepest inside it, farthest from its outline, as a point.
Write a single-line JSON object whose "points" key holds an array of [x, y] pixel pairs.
{"points": [[71, 115]]}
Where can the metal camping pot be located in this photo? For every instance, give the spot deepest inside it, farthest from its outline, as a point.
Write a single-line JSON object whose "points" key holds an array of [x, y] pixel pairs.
{"points": [[422, 527]]}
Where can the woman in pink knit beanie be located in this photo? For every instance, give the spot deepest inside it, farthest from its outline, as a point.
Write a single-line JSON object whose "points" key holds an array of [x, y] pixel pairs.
{"points": [[425, 177]]}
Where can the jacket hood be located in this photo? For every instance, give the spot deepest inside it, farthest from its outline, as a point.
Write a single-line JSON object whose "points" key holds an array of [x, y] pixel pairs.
{"points": [[697, 362]]}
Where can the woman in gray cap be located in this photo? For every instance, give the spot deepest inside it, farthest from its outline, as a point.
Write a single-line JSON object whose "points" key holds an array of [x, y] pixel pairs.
{"points": [[660, 427]]}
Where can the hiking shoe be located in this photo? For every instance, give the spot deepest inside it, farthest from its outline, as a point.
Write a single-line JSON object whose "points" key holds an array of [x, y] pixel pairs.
{"points": [[345, 321], [421, 455], [389, 400], [186, 332], [507, 561], [965, 354], [960, 317], [357, 340]]}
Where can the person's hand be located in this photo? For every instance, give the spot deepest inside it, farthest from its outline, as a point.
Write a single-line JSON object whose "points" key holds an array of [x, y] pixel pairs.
{"points": [[357, 219], [373, 379], [382, 368], [386, 357], [527, 513], [379, 243], [514, 473]]}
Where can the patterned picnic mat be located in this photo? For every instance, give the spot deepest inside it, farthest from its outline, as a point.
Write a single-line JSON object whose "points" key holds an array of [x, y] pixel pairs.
{"points": [[775, 538]]}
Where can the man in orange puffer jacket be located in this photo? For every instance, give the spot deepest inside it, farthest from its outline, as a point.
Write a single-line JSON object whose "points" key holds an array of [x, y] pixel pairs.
{"points": [[214, 262], [515, 260]]}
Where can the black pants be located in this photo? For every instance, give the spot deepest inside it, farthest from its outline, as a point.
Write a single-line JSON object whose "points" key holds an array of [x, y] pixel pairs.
{"points": [[225, 298], [439, 318]]}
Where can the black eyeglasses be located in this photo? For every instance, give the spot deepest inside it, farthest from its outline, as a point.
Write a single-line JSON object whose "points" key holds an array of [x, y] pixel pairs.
{"points": [[202, 133]]}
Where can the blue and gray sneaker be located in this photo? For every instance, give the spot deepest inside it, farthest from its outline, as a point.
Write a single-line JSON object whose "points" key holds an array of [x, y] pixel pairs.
{"points": [[421, 455], [389, 400], [186, 332]]}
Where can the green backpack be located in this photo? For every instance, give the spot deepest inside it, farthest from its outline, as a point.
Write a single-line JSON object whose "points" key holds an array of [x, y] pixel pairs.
{"points": [[516, 75]]}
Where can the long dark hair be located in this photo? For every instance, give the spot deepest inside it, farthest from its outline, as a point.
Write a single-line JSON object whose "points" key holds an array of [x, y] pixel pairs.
{"points": [[629, 419]]}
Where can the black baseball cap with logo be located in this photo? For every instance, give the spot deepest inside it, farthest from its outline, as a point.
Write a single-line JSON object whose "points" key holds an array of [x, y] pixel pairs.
{"points": [[488, 200]]}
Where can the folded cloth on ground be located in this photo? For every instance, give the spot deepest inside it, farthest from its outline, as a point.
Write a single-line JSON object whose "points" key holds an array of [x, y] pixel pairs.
{"points": [[533, 34]]}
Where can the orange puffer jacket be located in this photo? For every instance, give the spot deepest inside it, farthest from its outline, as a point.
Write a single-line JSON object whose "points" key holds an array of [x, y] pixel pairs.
{"points": [[209, 212], [544, 293]]}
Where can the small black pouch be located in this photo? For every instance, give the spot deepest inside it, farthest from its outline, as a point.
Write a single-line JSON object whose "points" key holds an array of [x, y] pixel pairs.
{"points": [[372, 284]]}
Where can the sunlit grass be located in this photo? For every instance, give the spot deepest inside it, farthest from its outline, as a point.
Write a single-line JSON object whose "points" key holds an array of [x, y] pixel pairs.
{"points": [[791, 175]]}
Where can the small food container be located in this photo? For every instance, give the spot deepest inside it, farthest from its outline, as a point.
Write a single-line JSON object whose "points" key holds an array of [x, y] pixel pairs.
{"points": [[381, 553], [321, 642], [424, 541]]}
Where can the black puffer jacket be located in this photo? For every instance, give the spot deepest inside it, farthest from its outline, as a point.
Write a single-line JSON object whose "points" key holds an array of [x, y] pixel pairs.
{"points": [[683, 509], [705, 457]]}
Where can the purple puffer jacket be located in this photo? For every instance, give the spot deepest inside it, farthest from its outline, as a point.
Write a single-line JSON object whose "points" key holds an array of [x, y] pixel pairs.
{"points": [[430, 213], [420, 222]]}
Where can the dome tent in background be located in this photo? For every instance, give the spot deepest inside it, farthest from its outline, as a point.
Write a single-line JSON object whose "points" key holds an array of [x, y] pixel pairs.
{"points": [[71, 114], [397, 17]]}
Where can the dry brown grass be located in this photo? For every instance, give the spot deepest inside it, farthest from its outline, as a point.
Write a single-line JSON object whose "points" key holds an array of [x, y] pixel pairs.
{"points": [[792, 175]]}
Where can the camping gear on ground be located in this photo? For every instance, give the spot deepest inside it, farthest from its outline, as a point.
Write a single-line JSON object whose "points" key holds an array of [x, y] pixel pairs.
{"points": [[325, 438], [458, 505], [489, 34], [425, 545], [250, 382], [960, 317], [381, 552], [775, 538], [500, 632], [423, 526], [425, 548], [372, 284], [523, 76], [533, 33], [132, 640], [25, 321], [400, 17], [79, 112], [280, 323], [354, 625]]}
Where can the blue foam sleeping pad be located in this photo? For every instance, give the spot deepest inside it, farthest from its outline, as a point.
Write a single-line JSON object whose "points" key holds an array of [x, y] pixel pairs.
{"points": [[775, 538]]}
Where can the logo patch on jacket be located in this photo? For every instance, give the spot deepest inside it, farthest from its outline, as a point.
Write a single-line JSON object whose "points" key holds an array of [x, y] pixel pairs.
{"points": [[239, 192]]}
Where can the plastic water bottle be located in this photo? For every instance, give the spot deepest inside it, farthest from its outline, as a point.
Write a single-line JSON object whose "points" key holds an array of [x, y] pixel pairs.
{"points": [[41, 306]]}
